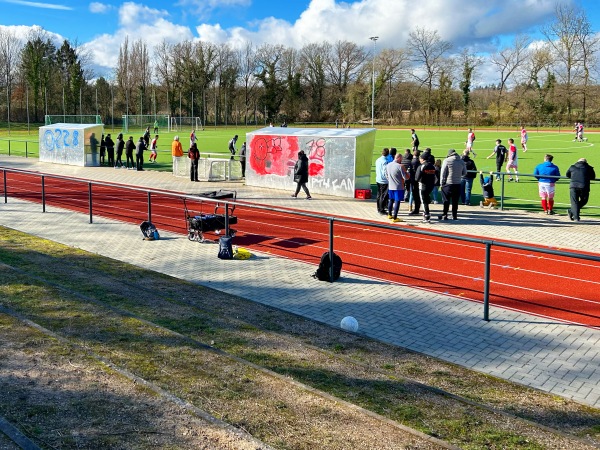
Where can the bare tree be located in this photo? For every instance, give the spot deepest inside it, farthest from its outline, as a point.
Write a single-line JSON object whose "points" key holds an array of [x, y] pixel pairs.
{"points": [[342, 68], [123, 73], [271, 75], [507, 61], [313, 59], [392, 65], [428, 50], [573, 45], [248, 67], [10, 51]]}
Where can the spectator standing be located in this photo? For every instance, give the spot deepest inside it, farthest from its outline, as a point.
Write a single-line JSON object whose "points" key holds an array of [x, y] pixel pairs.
{"points": [[415, 139], [466, 182], [176, 153], [546, 174], [487, 188], [301, 174], [129, 148], [580, 173], [110, 150], [396, 175], [139, 154], [436, 187], [382, 181], [147, 137], [243, 159], [512, 161], [406, 159], [120, 148], [453, 169], [154, 149], [500, 151], [231, 145], [414, 200], [471, 141], [102, 150], [194, 156], [94, 148], [524, 139], [425, 177]]}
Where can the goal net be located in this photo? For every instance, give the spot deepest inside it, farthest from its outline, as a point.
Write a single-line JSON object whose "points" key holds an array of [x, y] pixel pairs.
{"points": [[62, 118], [139, 122], [185, 123]]}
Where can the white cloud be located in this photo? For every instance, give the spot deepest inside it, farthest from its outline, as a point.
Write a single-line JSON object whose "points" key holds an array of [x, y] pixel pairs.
{"points": [[462, 23], [99, 8], [39, 5], [22, 32], [135, 22]]}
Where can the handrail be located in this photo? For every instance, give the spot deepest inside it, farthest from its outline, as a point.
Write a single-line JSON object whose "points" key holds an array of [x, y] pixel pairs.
{"points": [[488, 243]]}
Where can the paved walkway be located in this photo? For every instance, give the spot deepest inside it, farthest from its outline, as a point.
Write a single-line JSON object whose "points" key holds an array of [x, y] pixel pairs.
{"points": [[551, 356]]}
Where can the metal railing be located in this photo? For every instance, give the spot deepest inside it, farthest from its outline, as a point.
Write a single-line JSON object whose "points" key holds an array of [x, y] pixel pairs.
{"points": [[487, 243]]}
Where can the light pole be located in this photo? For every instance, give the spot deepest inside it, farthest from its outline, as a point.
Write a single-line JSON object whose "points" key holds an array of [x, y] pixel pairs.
{"points": [[374, 39]]}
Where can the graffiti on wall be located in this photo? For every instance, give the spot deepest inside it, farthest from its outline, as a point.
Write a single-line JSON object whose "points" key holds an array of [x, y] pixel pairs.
{"points": [[331, 161]]}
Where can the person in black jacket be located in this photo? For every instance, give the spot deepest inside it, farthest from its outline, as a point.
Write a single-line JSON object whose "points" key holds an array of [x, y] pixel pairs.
{"points": [[414, 201], [487, 187], [301, 175], [120, 147], [466, 182], [580, 173], [194, 155], [110, 150], [425, 179], [139, 154], [129, 148], [102, 150]]}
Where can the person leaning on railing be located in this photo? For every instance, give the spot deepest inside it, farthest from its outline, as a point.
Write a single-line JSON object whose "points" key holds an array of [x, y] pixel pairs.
{"points": [[580, 173], [546, 174]]}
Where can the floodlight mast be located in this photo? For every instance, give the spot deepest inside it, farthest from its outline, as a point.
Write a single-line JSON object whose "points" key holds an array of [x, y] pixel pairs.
{"points": [[374, 39]]}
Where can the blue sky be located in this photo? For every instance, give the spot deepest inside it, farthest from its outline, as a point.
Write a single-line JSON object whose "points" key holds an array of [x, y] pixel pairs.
{"points": [[100, 27]]}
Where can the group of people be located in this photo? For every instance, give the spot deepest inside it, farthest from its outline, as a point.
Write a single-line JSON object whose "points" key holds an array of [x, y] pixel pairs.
{"points": [[194, 154], [415, 178]]}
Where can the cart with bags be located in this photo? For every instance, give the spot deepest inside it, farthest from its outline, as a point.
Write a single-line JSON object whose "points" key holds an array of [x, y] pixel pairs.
{"points": [[198, 225]]}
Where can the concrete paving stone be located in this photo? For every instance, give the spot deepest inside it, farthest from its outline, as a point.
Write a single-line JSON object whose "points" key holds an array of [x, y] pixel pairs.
{"points": [[513, 345]]}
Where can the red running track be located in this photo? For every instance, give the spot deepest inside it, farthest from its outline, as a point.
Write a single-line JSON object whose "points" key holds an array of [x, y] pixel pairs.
{"points": [[549, 286]]}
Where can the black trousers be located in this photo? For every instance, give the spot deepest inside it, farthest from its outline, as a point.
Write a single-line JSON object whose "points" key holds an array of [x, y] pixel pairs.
{"points": [[579, 198], [425, 197], [139, 161], [382, 196], [451, 194], [416, 198], [194, 170]]}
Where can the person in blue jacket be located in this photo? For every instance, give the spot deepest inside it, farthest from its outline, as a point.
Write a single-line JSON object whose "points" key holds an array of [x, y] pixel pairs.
{"points": [[546, 174]]}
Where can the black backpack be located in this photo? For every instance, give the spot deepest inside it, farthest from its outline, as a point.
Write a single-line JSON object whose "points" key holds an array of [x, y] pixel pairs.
{"points": [[225, 248], [322, 272]]}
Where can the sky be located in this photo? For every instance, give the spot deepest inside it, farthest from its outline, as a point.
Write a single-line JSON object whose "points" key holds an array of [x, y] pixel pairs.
{"points": [[100, 27]]}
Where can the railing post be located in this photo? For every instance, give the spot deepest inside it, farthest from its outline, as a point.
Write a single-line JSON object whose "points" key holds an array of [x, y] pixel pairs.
{"points": [[90, 199], [26, 142], [149, 207], [9, 147], [331, 249], [502, 192], [5, 193], [226, 218], [43, 193], [486, 283]]}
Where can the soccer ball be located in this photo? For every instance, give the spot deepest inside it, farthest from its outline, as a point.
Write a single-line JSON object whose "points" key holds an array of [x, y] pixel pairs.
{"points": [[349, 323]]}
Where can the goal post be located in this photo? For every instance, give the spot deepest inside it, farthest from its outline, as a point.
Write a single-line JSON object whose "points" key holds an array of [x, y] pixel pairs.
{"points": [[185, 123], [135, 122], [51, 119]]}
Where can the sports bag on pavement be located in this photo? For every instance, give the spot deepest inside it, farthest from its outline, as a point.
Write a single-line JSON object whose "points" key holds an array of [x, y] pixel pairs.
{"points": [[322, 272]]}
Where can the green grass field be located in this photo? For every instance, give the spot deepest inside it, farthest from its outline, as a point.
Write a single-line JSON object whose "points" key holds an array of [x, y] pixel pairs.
{"points": [[523, 195]]}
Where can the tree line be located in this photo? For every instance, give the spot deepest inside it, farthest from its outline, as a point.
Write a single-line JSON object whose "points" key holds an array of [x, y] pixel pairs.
{"points": [[548, 82]]}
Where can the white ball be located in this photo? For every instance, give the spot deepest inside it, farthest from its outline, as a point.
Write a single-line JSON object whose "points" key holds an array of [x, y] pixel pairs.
{"points": [[349, 323]]}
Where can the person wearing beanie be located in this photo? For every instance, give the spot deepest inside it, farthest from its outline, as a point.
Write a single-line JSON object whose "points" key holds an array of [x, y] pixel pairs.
{"points": [[451, 173], [580, 173]]}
